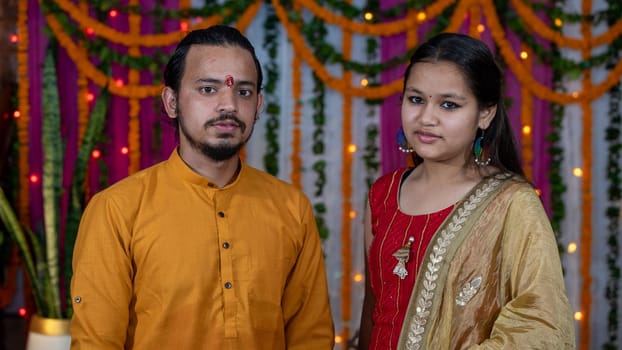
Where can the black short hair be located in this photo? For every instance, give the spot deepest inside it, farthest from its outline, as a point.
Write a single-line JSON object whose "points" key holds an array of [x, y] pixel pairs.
{"points": [[217, 35]]}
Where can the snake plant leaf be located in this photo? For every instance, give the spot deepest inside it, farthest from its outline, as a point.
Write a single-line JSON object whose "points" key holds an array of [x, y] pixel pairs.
{"points": [[9, 218], [47, 302], [52, 174]]}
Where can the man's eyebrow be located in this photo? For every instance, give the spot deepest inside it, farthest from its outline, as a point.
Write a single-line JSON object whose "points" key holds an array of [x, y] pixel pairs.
{"points": [[221, 82]]}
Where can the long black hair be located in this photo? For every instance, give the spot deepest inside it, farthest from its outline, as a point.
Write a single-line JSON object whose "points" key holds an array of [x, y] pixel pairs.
{"points": [[484, 78]]}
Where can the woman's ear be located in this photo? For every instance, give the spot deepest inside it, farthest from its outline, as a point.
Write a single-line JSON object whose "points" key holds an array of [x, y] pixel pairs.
{"points": [[486, 115], [169, 100]]}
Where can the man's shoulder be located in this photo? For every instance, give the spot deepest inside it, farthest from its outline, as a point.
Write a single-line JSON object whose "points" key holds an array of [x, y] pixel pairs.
{"points": [[133, 183]]}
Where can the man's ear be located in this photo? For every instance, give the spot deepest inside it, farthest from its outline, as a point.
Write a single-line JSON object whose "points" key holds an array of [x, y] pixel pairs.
{"points": [[169, 100], [259, 106], [486, 115]]}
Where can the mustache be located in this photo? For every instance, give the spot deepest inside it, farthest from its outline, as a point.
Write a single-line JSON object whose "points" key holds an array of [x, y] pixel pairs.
{"points": [[226, 117]]}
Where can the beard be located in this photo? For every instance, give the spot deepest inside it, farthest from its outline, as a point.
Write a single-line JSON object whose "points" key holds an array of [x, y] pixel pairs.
{"points": [[224, 149]]}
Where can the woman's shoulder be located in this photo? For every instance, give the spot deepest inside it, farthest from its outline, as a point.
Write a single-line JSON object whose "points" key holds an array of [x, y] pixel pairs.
{"points": [[394, 176]]}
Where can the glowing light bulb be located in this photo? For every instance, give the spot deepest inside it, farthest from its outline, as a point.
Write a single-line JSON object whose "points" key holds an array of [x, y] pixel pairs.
{"points": [[578, 315], [558, 22], [575, 94], [16, 114], [183, 26], [524, 55], [368, 16], [90, 97], [364, 82], [119, 82], [481, 28], [338, 339], [96, 154], [572, 247], [352, 148], [89, 31], [34, 178], [526, 130], [13, 38], [358, 277], [421, 16], [352, 214], [125, 150], [113, 13], [538, 192], [22, 312], [578, 172]]}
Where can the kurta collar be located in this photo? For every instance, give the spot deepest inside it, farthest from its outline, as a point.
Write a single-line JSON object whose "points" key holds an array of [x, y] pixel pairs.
{"points": [[183, 171]]}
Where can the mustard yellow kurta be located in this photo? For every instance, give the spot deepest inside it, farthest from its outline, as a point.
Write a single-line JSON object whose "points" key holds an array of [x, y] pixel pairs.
{"points": [[492, 277], [166, 260]]}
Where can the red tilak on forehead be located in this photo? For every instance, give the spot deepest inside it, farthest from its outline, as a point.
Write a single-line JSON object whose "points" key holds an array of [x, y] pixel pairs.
{"points": [[229, 81]]}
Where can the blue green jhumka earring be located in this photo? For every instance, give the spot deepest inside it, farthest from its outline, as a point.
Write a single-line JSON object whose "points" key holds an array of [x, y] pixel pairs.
{"points": [[402, 143], [480, 152]]}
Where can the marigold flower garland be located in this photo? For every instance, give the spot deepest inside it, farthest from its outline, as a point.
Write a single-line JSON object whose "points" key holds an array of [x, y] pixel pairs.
{"points": [[134, 80], [83, 102], [128, 39], [474, 21], [247, 17], [380, 29], [586, 185], [84, 65], [532, 21], [296, 165], [346, 190], [460, 13], [375, 92], [523, 76], [23, 122], [339, 84]]}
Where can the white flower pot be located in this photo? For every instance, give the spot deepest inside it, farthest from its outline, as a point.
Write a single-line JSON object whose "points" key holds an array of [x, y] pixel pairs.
{"points": [[48, 334]]}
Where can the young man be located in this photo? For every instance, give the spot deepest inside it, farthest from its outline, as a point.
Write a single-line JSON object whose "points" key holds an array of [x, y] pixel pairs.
{"points": [[202, 251]]}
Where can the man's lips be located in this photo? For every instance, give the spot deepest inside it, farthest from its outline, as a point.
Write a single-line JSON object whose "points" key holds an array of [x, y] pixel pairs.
{"points": [[228, 125]]}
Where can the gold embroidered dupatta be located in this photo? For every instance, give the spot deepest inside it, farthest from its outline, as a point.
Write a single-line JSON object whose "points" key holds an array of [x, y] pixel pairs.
{"points": [[468, 277]]}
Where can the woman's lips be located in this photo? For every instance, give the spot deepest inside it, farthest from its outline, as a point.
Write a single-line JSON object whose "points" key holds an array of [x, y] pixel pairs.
{"points": [[426, 137]]}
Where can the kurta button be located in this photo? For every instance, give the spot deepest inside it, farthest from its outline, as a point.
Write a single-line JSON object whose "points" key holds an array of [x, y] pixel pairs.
{"points": [[221, 214], [228, 285], [225, 245]]}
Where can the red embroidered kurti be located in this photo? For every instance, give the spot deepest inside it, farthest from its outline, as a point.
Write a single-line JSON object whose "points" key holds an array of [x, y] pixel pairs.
{"points": [[392, 229]]}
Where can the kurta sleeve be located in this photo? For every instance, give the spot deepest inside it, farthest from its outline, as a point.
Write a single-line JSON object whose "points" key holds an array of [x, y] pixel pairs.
{"points": [[306, 309], [101, 286], [538, 314]]}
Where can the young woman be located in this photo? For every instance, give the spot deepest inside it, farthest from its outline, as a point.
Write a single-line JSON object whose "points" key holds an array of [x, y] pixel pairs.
{"points": [[460, 253]]}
